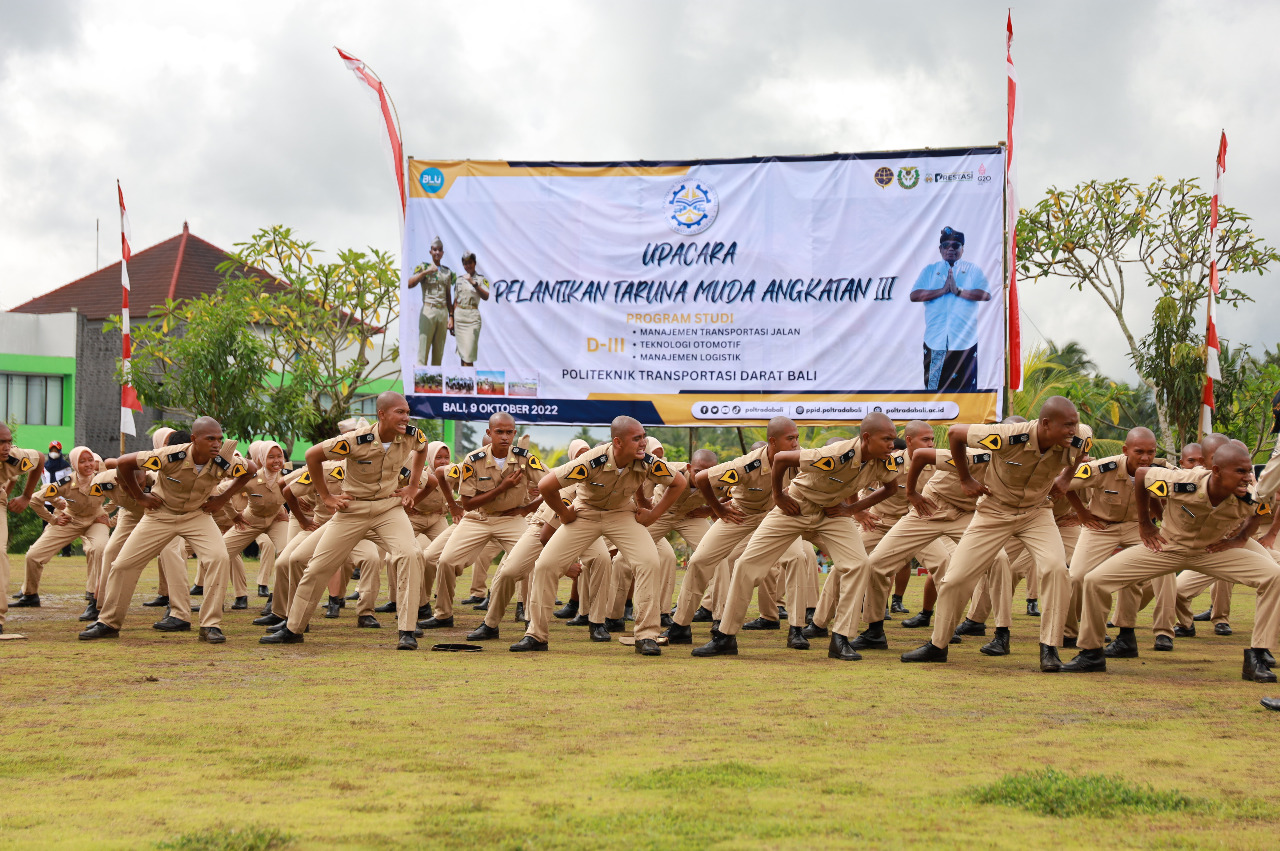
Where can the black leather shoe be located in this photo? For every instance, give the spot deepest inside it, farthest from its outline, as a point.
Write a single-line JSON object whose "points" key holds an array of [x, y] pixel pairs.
{"points": [[520, 615], [1267, 657], [896, 607], [281, 636], [1256, 668], [1184, 631], [196, 591], [812, 630], [26, 601], [528, 644], [263, 591], [629, 613], [719, 645], [1203, 616], [269, 619], [567, 611], [761, 623], [998, 645], [367, 622], [436, 623], [600, 633], [99, 630], [1124, 647], [240, 604], [1033, 609], [665, 620], [407, 640], [331, 609], [839, 649], [387, 608], [702, 615], [872, 638], [1069, 642], [782, 613], [266, 607], [1049, 661], [1272, 703], [677, 634], [1222, 629], [968, 627], [354, 595], [919, 620], [580, 619], [648, 647], [483, 632], [424, 611], [471, 601], [172, 624], [482, 606], [615, 624], [193, 608], [796, 639], [926, 653], [160, 600], [808, 614], [355, 574], [887, 615], [212, 635], [1164, 642], [955, 639], [90, 612], [1087, 662]]}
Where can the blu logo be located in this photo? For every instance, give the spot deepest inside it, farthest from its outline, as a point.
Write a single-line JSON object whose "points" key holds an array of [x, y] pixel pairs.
{"points": [[432, 180]]}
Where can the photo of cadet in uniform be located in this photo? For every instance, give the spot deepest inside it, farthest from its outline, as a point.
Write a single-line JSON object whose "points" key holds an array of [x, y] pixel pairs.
{"points": [[437, 305], [951, 290], [469, 290]]}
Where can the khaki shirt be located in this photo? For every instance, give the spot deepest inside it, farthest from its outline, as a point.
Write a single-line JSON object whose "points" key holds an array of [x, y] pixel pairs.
{"points": [[434, 285], [115, 494], [304, 490], [432, 504], [896, 507], [179, 485], [264, 494], [480, 474], [749, 480], [19, 461], [1107, 488], [604, 486], [692, 498], [78, 499], [547, 514], [465, 294], [1269, 481], [944, 488], [1190, 521], [371, 471], [1021, 475], [830, 474]]}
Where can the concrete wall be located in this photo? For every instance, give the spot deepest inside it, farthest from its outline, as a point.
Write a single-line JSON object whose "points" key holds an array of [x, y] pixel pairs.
{"points": [[98, 395]]}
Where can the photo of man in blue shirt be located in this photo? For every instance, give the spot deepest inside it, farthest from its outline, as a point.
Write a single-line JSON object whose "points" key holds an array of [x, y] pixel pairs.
{"points": [[951, 290]]}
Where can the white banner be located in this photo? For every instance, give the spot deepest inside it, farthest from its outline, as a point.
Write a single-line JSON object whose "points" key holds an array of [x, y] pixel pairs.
{"points": [[711, 292]]}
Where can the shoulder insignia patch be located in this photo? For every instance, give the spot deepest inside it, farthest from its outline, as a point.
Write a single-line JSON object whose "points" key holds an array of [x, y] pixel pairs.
{"points": [[96, 490], [467, 471], [1108, 467], [1084, 472], [478, 455], [13, 460], [951, 462], [422, 436], [649, 459], [730, 477], [454, 471], [1263, 510], [305, 478], [108, 486], [980, 458], [238, 470], [405, 472], [599, 461], [362, 439], [50, 492], [180, 456], [578, 473], [26, 465], [217, 459], [411, 430], [826, 464], [1158, 488], [342, 447], [535, 464], [992, 442], [338, 473], [1185, 487], [848, 456], [519, 450], [660, 468], [152, 463], [568, 502], [753, 466], [1015, 439], [894, 463]]}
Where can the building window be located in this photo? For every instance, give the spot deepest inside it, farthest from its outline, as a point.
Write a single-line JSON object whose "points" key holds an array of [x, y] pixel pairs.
{"points": [[366, 407], [31, 399]]}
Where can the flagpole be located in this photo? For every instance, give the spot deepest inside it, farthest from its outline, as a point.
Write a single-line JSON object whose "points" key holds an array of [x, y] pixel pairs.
{"points": [[1212, 348]]}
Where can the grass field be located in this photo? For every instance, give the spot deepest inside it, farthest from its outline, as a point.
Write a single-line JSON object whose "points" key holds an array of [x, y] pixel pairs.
{"points": [[158, 741]]}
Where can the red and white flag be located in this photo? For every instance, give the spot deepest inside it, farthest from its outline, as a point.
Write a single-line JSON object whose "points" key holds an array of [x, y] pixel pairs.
{"points": [[373, 85], [1011, 217], [1212, 347], [128, 396]]}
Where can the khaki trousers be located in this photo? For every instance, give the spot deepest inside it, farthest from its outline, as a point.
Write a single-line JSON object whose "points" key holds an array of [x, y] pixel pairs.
{"points": [[692, 529], [432, 332], [469, 540], [155, 531], [911, 537], [1190, 584], [424, 534], [172, 554], [517, 566], [282, 590], [4, 557], [838, 536], [721, 542], [1004, 576], [431, 559], [298, 554], [1095, 547], [94, 537], [1248, 565], [571, 541], [276, 533], [981, 544]]}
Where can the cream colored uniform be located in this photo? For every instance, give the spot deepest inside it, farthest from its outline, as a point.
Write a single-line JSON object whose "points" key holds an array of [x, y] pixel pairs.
{"points": [[374, 473], [428, 521], [432, 552], [605, 505], [433, 323], [20, 461], [86, 520], [1269, 481], [183, 490], [466, 315], [261, 513], [1019, 478], [1189, 525], [128, 515], [826, 477]]}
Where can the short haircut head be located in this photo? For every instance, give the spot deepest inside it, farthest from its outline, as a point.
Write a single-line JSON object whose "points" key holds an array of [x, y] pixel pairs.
{"points": [[1229, 454], [876, 421], [1139, 433], [703, 458], [389, 398], [621, 425], [1058, 408], [779, 426], [915, 428], [203, 426], [501, 418]]}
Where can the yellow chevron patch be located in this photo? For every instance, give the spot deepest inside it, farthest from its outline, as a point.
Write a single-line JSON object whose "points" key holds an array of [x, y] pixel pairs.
{"points": [[1263, 509], [825, 464], [50, 492], [1084, 472], [26, 465], [467, 471], [1158, 488], [342, 447], [305, 478], [535, 464], [891, 464], [152, 463], [238, 470], [730, 477], [338, 473], [96, 490], [660, 468], [454, 472], [992, 442], [577, 474]]}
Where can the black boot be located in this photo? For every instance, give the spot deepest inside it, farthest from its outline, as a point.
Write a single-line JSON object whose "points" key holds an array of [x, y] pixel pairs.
{"points": [[920, 620], [677, 634], [471, 601], [1203, 616], [387, 608], [997, 646], [761, 623], [970, 627], [1069, 642], [407, 640], [355, 575], [90, 612], [196, 591], [1184, 631], [812, 630], [567, 611], [1164, 643], [782, 613], [482, 606], [26, 601], [895, 606], [1033, 609], [1272, 703], [172, 624], [1049, 661], [665, 620], [926, 653], [263, 591], [719, 645], [702, 615], [1087, 662], [1256, 668], [520, 615], [99, 630], [212, 635], [436, 623], [629, 613], [160, 600], [240, 604], [600, 633], [839, 649], [367, 622], [331, 608], [281, 636], [527, 644], [796, 639], [648, 647], [269, 619], [580, 619], [808, 614], [1124, 647], [872, 638], [615, 624], [1222, 629], [424, 611], [1266, 657], [483, 632], [266, 607], [354, 595]]}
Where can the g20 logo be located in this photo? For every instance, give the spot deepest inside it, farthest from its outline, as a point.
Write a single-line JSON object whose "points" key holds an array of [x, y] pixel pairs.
{"points": [[431, 180]]}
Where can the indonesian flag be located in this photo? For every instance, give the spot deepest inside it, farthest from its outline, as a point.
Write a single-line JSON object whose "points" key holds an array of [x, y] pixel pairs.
{"points": [[1011, 217], [379, 92], [128, 396], [1212, 348]]}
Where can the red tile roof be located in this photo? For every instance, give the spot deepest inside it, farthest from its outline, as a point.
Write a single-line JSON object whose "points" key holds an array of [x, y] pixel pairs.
{"points": [[183, 266]]}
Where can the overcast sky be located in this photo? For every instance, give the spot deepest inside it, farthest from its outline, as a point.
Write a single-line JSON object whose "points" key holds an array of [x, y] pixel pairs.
{"points": [[237, 115]]}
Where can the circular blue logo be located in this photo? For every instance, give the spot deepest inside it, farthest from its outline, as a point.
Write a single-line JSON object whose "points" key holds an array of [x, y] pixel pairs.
{"points": [[691, 206], [432, 180]]}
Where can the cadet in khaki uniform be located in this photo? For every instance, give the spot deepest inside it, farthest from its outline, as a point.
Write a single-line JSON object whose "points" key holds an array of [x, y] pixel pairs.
{"points": [[1190, 582], [427, 517], [263, 514], [1209, 518], [128, 514], [607, 477], [494, 486], [379, 458], [78, 514], [14, 462], [181, 504], [437, 305], [1027, 460], [469, 290], [814, 506]]}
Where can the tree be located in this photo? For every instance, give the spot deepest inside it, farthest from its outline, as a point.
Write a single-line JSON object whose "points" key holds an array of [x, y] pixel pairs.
{"points": [[1099, 232]]}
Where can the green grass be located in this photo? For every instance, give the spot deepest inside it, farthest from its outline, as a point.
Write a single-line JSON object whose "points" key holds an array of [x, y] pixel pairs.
{"points": [[155, 740]]}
